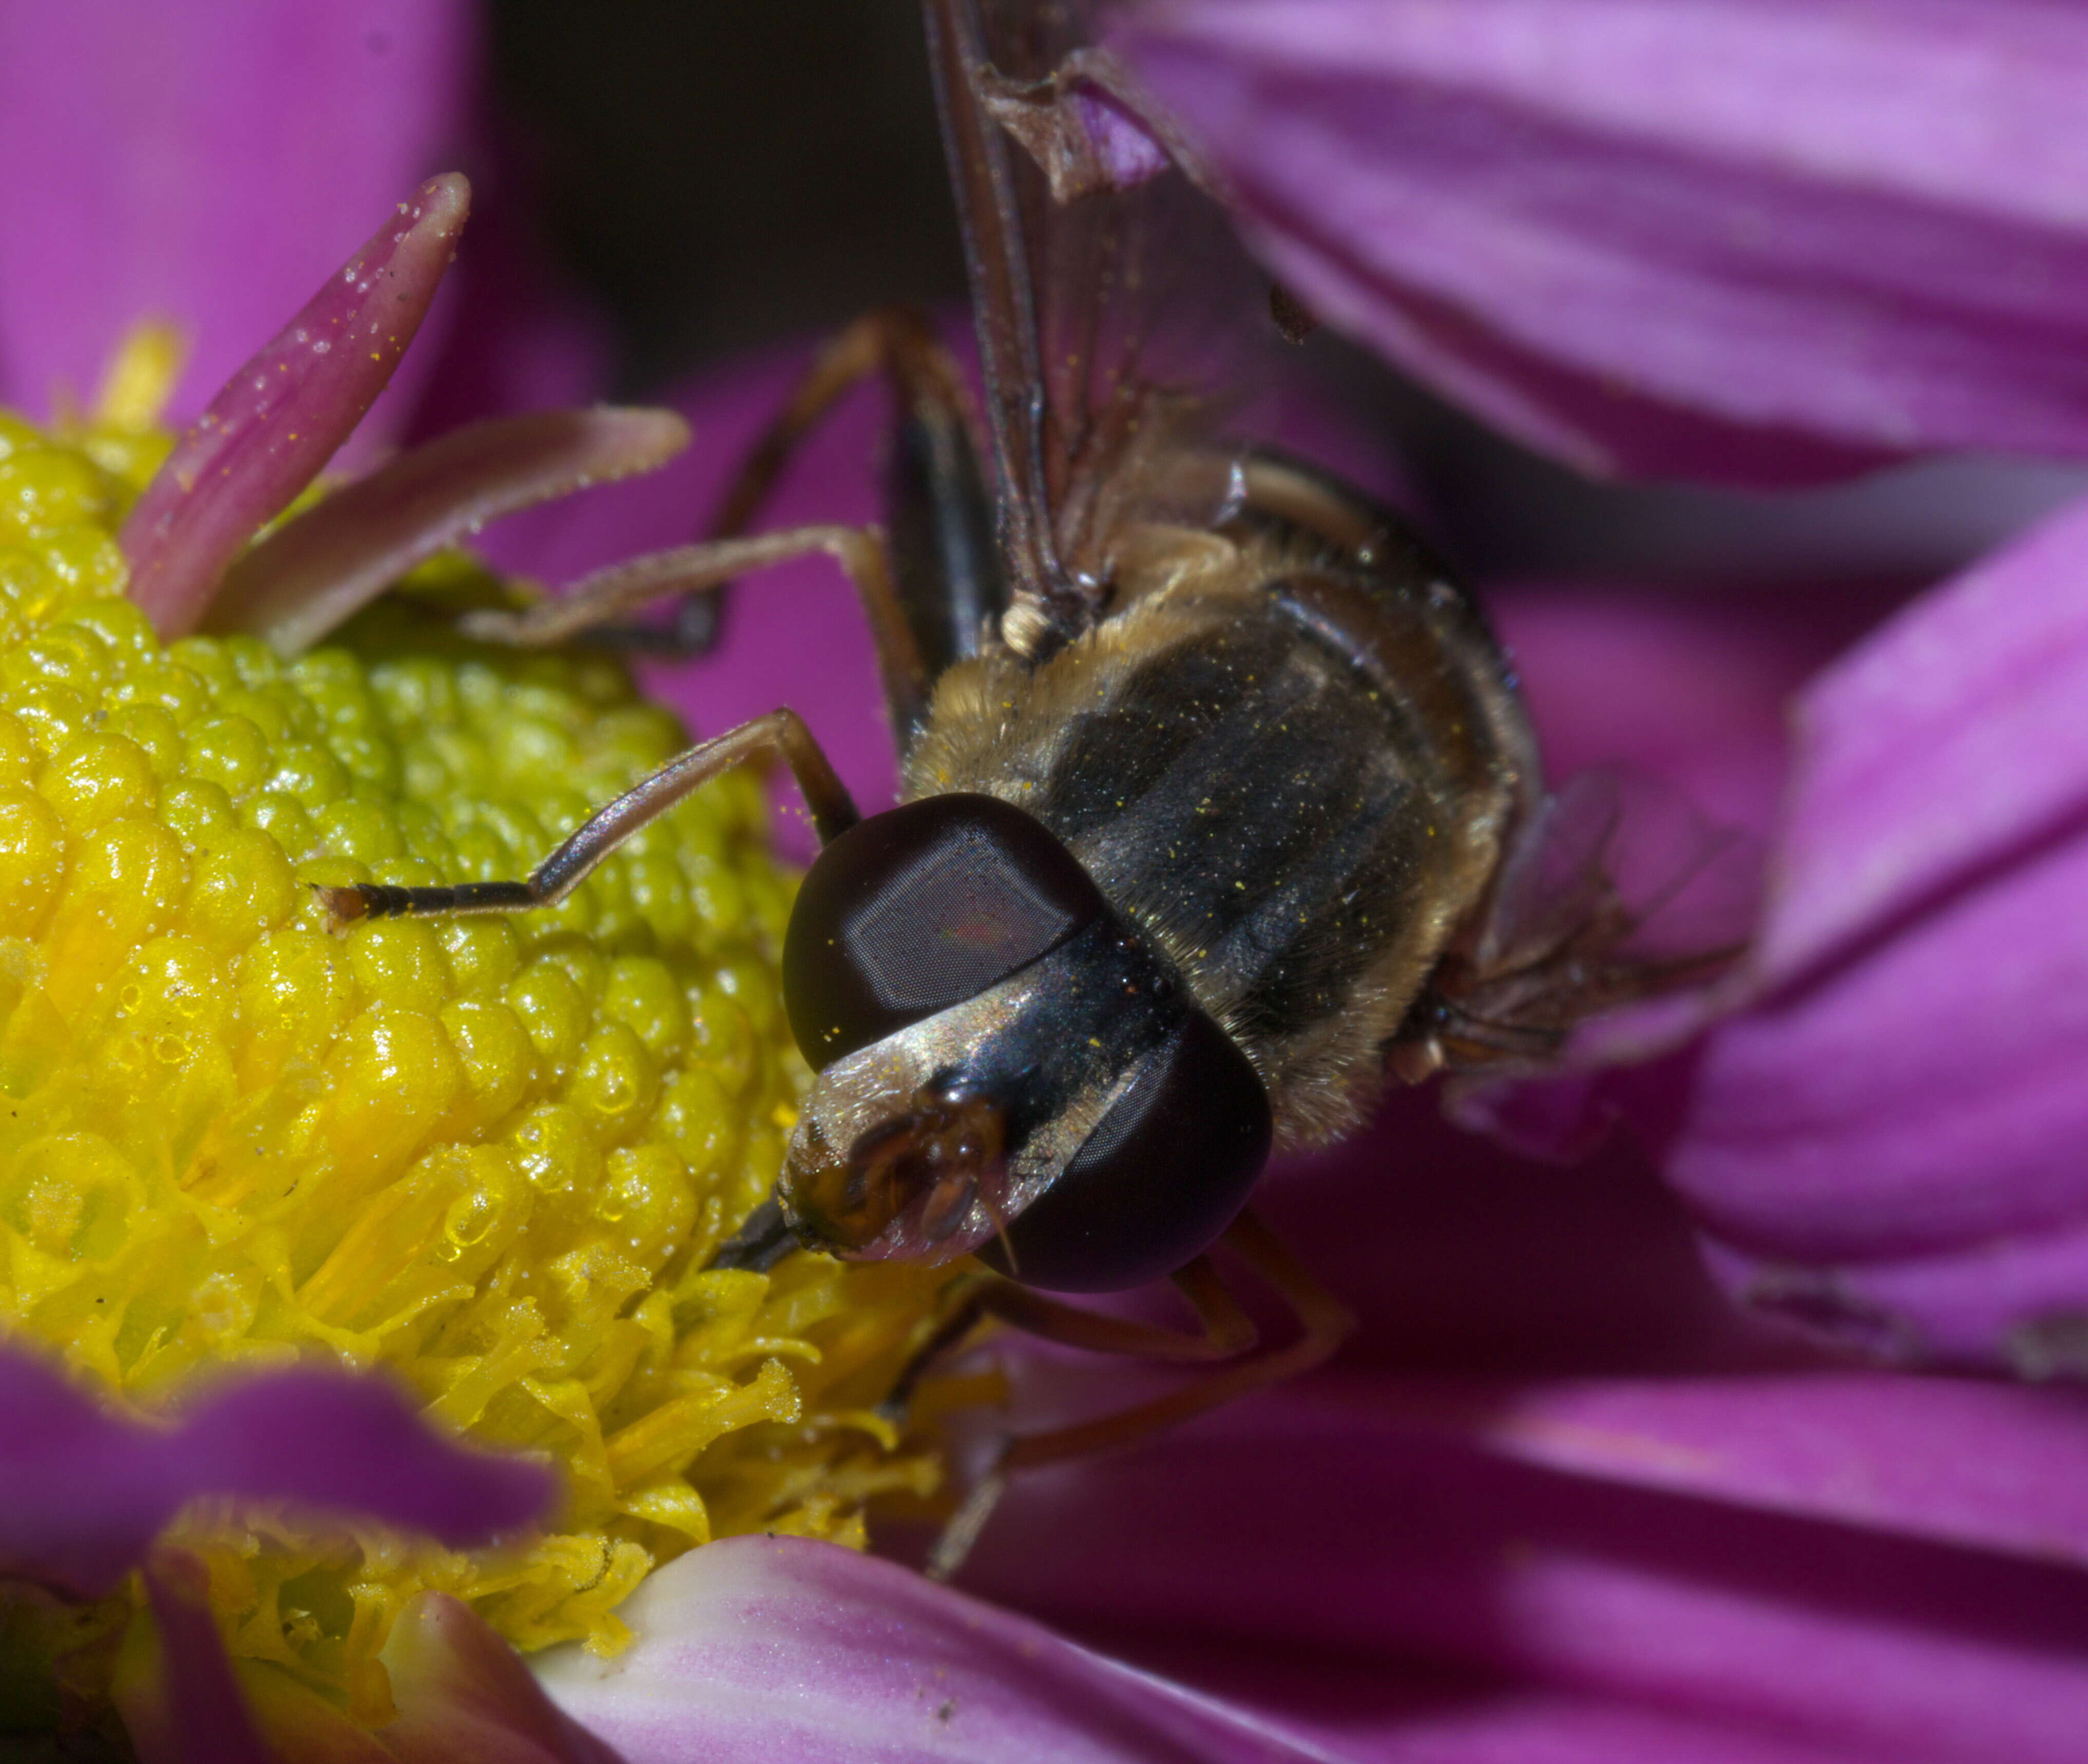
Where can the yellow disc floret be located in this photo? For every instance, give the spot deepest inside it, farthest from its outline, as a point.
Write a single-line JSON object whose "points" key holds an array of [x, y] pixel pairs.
{"points": [[491, 1154]]}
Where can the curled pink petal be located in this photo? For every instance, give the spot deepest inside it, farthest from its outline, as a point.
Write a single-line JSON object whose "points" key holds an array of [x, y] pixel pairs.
{"points": [[1884, 1144], [463, 1692], [1951, 738], [1758, 240], [317, 569], [82, 1493], [280, 417], [177, 1693], [756, 1648]]}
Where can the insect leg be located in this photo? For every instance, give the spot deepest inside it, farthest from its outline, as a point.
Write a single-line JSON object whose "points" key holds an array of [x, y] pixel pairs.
{"points": [[781, 731], [1224, 1331], [1325, 1324], [945, 573]]}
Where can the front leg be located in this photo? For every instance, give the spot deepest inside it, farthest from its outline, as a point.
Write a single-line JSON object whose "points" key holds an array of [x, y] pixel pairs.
{"points": [[781, 731]]}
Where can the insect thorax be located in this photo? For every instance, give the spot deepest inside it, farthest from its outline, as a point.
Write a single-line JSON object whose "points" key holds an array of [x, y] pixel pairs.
{"points": [[1294, 776]]}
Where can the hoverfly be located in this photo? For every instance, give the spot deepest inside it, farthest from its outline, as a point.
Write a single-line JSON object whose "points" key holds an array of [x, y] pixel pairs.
{"points": [[1219, 801]]}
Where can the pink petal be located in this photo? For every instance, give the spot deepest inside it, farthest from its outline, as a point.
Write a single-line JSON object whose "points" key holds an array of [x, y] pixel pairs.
{"points": [[315, 571], [1853, 1448], [194, 163], [762, 1648], [1953, 737], [1337, 1526], [1754, 239], [82, 1493], [1693, 689], [1886, 1143], [1376, 1712], [280, 417], [1924, 1097], [464, 1693], [1462, 1259], [180, 1702]]}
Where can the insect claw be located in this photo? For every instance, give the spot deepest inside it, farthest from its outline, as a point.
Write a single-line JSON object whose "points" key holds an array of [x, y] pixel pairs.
{"points": [[343, 906]]}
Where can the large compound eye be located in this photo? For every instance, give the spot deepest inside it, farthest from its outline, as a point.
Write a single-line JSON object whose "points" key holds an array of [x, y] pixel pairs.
{"points": [[921, 908], [1161, 1175]]}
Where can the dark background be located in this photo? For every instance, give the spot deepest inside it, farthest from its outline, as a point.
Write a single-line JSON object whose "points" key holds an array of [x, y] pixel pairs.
{"points": [[723, 172]]}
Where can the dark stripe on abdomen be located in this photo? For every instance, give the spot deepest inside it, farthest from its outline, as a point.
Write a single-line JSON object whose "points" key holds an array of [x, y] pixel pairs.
{"points": [[1257, 815]]}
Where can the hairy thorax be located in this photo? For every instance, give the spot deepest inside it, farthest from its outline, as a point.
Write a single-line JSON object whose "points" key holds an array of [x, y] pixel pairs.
{"points": [[1294, 773]]}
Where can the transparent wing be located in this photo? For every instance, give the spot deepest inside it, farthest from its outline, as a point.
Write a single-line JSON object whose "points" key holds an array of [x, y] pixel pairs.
{"points": [[1616, 891], [1120, 322]]}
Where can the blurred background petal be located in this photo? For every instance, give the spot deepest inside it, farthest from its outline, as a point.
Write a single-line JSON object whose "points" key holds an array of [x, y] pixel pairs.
{"points": [[258, 140], [83, 1492]]}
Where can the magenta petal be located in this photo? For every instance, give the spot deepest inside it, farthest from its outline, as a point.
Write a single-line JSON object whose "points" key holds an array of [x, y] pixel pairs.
{"points": [[1886, 1144], [1954, 737], [1333, 1526], [1693, 690], [1855, 1448], [317, 569], [1748, 239], [1375, 1711], [82, 1493], [1924, 1097], [465, 1693], [193, 163], [282, 415], [189, 1710], [756, 1649]]}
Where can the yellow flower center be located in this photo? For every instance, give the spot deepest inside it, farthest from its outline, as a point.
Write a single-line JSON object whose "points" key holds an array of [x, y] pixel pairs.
{"points": [[491, 1154]]}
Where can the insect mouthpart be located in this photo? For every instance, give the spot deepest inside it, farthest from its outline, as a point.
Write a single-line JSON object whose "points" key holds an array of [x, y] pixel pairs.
{"points": [[911, 1180]]}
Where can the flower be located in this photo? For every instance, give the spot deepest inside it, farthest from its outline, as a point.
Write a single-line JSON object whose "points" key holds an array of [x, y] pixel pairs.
{"points": [[1562, 1501], [83, 1497], [491, 1155]]}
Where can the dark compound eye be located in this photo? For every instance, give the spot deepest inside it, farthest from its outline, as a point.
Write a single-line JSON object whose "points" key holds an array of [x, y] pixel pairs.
{"points": [[1157, 1181], [918, 908]]}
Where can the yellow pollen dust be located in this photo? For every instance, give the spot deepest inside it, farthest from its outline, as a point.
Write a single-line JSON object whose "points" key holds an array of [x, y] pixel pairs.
{"points": [[491, 1154]]}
